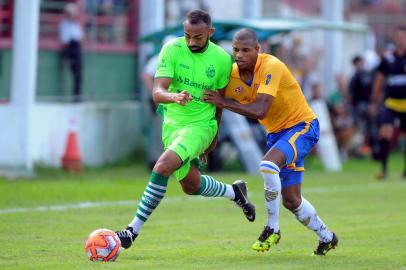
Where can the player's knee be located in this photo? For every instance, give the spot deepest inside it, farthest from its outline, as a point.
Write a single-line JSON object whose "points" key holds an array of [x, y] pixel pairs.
{"points": [[291, 203], [189, 188], [164, 167]]}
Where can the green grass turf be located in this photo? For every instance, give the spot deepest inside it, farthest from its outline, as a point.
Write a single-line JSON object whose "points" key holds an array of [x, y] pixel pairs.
{"points": [[187, 232]]}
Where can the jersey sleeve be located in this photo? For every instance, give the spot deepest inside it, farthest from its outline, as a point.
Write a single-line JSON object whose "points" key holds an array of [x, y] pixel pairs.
{"points": [[271, 76], [166, 63], [224, 78]]}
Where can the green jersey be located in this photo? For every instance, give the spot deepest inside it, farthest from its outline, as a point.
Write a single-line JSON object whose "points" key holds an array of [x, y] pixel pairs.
{"points": [[193, 72]]}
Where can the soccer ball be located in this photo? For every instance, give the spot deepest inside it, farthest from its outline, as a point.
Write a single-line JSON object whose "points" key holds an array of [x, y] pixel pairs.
{"points": [[103, 245]]}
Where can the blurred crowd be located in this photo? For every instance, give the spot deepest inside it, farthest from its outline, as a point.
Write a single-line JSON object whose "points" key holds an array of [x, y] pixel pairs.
{"points": [[355, 123]]}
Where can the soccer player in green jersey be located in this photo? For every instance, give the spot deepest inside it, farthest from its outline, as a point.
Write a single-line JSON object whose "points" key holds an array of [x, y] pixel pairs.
{"points": [[187, 67]]}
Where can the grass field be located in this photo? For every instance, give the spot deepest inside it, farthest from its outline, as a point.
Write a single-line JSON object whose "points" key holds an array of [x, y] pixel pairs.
{"points": [[43, 224]]}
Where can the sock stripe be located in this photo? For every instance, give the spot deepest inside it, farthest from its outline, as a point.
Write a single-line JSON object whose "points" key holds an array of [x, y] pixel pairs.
{"points": [[269, 165], [141, 217], [208, 186], [155, 197], [220, 188], [146, 203], [158, 187], [142, 210], [268, 171], [216, 184], [144, 206], [153, 194], [157, 193], [223, 190], [150, 201], [211, 184], [159, 179], [139, 213], [213, 187]]}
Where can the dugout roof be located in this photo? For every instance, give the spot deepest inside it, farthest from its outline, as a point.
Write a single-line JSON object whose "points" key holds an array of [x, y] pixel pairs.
{"points": [[264, 27]]}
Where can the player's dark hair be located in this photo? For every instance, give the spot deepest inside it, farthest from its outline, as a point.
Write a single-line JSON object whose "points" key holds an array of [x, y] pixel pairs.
{"points": [[246, 34], [356, 59], [197, 16]]}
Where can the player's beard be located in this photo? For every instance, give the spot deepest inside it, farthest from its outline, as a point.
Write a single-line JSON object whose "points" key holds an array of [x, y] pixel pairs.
{"points": [[195, 49]]}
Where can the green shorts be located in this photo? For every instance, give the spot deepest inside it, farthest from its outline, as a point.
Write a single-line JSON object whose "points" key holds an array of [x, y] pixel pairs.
{"points": [[188, 142]]}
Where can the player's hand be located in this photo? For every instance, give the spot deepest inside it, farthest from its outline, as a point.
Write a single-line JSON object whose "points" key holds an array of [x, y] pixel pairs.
{"points": [[213, 97], [182, 98]]}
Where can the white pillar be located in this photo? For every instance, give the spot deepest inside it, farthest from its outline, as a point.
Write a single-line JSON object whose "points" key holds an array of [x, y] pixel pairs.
{"points": [[151, 19], [251, 9], [23, 78], [332, 10]]}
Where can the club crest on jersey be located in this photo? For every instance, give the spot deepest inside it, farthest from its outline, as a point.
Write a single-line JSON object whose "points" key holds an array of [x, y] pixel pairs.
{"points": [[239, 89], [268, 79], [210, 72]]}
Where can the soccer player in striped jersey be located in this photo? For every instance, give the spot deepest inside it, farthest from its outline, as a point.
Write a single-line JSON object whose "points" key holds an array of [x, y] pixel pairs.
{"points": [[186, 67], [391, 76], [262, 87]]}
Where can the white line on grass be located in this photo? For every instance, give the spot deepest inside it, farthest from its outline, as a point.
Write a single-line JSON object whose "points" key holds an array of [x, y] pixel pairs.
{"points": [[84, 205]]}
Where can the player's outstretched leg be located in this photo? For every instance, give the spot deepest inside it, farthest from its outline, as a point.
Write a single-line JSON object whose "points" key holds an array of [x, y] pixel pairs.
{"points": [[272, 185], [209, 187], [383, 156], [153, 194], [307, 215]]}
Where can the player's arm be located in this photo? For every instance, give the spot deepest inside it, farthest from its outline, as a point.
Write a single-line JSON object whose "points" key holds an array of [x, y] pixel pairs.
{"points": [[212, 146], [377, 87], [219, 112], [256, 110], [160, 93], [376, 94], [148, 81], [270, 76]]}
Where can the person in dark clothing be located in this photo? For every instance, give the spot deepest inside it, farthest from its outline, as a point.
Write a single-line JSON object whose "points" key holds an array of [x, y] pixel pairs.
{"points": [[70, 35], [392, 72], [360, 89]]}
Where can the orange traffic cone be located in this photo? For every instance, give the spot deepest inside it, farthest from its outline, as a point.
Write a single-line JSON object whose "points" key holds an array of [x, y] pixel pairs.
{"points": [[71, 160]]}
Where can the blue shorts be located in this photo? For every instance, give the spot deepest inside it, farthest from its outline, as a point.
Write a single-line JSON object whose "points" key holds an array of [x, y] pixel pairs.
{"points": [[296, 143]]}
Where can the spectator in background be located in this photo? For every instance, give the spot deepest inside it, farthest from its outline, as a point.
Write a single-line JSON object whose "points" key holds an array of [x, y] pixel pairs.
{"points": [[342, 120], [70, 35], [316, 91], [359, 90], [391, 72]]}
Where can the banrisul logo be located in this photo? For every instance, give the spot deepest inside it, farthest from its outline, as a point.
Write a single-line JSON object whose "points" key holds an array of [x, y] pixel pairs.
{"points": [[210, 71], [189, 82]]}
